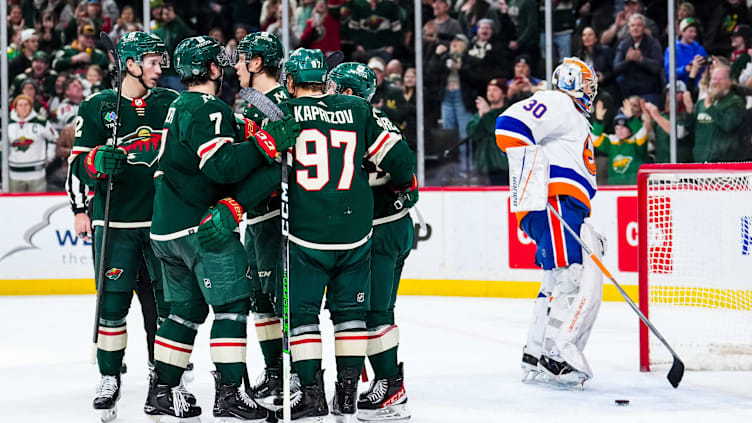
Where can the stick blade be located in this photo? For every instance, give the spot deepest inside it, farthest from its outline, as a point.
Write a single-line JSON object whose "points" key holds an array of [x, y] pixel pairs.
{"points": [[334, 58], [676, 373]]}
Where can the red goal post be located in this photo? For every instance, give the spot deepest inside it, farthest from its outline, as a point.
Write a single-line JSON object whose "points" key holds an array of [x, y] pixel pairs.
{"points": [[695, 263]]}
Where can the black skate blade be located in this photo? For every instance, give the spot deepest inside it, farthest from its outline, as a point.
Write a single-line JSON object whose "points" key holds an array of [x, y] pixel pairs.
{"points": [[676, 373], [237, 420]]}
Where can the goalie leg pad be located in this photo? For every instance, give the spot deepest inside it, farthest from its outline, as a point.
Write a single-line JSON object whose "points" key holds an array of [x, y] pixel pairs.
{"points": [[534, 346], [574, 306]]}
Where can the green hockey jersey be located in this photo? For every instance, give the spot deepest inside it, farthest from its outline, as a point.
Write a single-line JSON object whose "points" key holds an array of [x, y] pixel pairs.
{"points": [[277, 95], [384, 194], [199, 163], [331, 204], [140, 134]]}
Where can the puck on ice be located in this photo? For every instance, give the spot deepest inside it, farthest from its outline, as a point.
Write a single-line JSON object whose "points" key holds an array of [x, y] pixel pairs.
{"points": [[621, 402]]}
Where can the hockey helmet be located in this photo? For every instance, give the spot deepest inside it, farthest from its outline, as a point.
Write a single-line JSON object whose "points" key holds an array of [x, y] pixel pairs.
{"points": [[194, 55], [135, 45], [356, 76], [264, 44], [576, 78], [306, 65]]}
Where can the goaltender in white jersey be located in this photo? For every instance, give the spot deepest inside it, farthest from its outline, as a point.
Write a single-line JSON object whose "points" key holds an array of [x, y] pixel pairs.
{"points": [[552, 164]]}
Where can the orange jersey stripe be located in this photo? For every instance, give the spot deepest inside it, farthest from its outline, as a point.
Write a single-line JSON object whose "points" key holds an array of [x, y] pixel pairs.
{"points": [[505, 141]]}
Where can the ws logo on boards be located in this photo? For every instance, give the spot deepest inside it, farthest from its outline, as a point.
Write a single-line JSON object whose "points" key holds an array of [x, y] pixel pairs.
{"points": [[68, 238]]}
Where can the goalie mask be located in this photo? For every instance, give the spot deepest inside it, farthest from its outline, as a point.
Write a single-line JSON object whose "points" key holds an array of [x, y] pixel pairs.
{"points": [[358, 77], [576, 78]]}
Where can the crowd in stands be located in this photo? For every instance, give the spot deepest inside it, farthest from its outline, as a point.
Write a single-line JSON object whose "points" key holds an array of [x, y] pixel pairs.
{"points": [[479, 56]]}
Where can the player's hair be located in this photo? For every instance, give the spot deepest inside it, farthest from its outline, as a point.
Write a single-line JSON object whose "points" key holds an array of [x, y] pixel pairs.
{"points": [[271, 71], [313, 86], [192, 81]]}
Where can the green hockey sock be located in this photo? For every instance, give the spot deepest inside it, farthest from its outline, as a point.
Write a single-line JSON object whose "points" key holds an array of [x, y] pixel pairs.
{"points": [[385, 364]]}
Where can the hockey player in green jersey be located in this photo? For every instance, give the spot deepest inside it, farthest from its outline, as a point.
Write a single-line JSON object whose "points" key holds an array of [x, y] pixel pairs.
{"points": [[259, 65], [331, 214], [203, 155], [143, 108], [391, 243]]}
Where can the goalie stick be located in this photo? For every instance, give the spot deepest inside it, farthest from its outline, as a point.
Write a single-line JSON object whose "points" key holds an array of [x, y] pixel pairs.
{"points": [[110, 46], [676, 372], [274, 113]]}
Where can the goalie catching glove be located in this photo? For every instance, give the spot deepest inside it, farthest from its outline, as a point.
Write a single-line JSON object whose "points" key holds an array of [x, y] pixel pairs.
{"points": [[407, 197], [218, 223], [277, 136], [105, 160]]}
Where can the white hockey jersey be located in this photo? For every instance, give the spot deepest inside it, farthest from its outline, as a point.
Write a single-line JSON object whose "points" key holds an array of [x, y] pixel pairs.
{"points": [[550, 120], [32, 146]]}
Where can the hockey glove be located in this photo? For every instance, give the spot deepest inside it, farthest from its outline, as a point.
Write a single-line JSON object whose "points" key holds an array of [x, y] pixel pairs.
{"points": [[246, 126], [105, 160], [407, 196], [218, 223], [277, 136]]}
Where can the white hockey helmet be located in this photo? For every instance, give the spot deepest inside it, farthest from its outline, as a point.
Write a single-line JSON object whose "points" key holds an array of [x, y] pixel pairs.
{"points": [[576, 78]]}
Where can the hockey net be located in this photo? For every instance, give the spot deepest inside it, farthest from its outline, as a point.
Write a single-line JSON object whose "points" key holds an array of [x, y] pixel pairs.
{"points": [[695, 264]]}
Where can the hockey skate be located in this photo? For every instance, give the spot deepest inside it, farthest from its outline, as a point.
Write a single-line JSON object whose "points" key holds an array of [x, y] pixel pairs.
{"points": [[385, 400], [560, 374], [529, 366], [167, 404], [345, 395], [108, 393], [268, 388], [309, 402], [294, 387], [232, 404]]}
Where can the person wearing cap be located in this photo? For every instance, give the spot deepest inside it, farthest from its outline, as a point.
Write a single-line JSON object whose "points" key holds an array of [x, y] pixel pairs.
{"points": [[741, 41], [29, 46], [687, 49], [32, 146], [387, 97], [523, 84], [724, 18], [684, 124], [627, 148], [81, 53], [482, 133], [39, 72]]}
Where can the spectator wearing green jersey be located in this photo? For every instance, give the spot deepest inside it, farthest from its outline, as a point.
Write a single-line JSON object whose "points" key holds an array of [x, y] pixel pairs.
{"points": [[626, 148]]}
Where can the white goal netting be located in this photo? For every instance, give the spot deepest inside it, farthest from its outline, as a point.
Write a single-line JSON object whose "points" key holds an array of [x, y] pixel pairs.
{"points": [[699, 267]]}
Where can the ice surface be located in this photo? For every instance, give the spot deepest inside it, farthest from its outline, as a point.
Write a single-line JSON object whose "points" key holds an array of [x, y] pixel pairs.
{"points": [[461, 365]]}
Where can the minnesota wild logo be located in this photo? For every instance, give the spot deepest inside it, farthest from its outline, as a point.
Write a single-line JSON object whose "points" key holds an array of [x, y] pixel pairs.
{"points": [[114, 273], [22, 144], [621, 163], [142, 145]]}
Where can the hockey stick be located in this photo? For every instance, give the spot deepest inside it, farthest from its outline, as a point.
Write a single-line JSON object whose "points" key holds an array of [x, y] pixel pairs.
{"points": [[451, 149], [106, 227], [273, 112], [676, 372]]}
